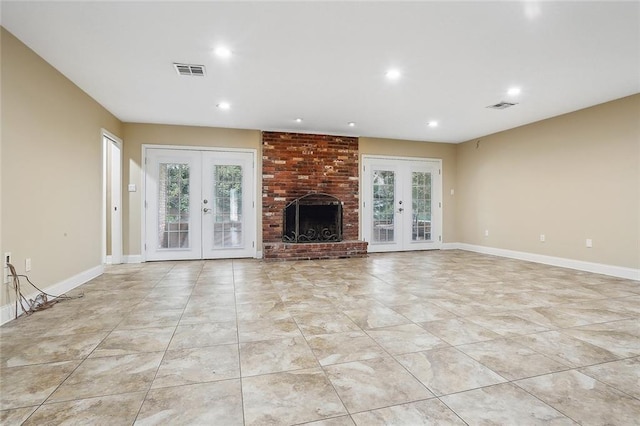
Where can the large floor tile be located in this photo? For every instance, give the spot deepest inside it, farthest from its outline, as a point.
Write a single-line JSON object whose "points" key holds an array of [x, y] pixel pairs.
{"points": [[197, 365], [458, 331], [620, 337], [124, 342], [583, 398], [17, 351], [510, 359], [623, 375], [375, 317], [108, 376], [344, 347], [566, 349], [216, 403], [272, 356], [17, 416], [32, 384], [312, 324], [106, 410], [448, 370], [335, 421], [151, 319], [376, 383], [429, 412], [251, 331], [503, 404], [422, 312], [204, 334], [203, 313], [507, 324], [289, 398], [406, 338]]}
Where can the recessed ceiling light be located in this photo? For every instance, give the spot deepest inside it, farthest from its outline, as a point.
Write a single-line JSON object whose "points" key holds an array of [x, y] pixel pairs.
{"points": [[223, 105], [351, 124], [432, 124], [514, 91], [393, 74], [222, 52], [298, 120]]}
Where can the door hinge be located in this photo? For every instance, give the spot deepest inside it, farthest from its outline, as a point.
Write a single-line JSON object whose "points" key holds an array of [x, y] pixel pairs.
{"points": [[439, 171], [439, 237], [440, 205], [364, 204], [146, 205], [364, 168], [253, 244], [145, 247]]}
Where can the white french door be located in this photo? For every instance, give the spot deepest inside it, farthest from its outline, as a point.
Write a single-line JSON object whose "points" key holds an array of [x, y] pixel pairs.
{"points": [[199, 204], [402, 203]]}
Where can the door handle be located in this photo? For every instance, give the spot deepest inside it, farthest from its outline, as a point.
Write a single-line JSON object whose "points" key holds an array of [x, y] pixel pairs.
{"points": [[400, 209], [206, 210]]}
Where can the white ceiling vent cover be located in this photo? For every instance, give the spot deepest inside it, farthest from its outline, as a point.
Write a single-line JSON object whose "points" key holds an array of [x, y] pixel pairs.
{"points": [[502, 105], [189, 69]]}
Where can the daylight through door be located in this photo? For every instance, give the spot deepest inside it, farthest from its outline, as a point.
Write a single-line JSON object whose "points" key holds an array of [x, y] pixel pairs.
{"points": [[198, 204], [401, 203]]}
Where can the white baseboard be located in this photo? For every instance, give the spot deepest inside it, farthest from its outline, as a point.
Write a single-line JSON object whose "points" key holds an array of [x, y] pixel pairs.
{"points": [[7, 312], [597, 268], [132, 258], [450, 246]]}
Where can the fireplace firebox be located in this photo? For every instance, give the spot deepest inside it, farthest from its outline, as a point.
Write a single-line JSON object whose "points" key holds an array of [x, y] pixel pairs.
{"points": [[313, 218]]}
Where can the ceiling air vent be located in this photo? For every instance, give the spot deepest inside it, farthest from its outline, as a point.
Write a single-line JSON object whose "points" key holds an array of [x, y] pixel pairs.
{"points": [[189, 69], [501, 105]]}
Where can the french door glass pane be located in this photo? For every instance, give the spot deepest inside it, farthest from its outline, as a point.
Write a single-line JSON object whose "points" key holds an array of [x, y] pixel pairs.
{"points": [[173, 206], [383, 205], [421, 206], [227, 206]]}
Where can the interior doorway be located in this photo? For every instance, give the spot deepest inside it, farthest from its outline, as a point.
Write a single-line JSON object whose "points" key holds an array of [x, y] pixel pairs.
{"points": [[112, 198]]}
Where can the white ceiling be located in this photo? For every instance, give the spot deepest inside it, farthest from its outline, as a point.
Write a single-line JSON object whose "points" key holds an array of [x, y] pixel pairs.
{"points": [[326, 61]]}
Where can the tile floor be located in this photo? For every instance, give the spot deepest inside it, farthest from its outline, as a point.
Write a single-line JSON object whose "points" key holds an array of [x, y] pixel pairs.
{"points": [[446, 337]]}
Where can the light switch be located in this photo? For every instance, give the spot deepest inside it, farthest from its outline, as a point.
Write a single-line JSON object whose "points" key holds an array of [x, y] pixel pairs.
{"points": [[132, 187]]}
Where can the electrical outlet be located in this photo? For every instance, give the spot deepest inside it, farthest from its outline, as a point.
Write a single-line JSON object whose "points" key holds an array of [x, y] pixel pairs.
{"points": [[27, 264], [589, 243], [542, 238], [7, 274], [486, 232]]}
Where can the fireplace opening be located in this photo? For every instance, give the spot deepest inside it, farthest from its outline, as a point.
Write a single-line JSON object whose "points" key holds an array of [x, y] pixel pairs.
{"points": [[313, 218]]}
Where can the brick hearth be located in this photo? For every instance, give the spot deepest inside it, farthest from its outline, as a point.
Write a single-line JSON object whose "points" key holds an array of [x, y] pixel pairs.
{"points": [[296, 164]]}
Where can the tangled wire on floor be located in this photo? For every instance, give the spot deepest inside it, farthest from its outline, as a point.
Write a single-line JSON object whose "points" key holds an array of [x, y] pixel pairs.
{"points": [[42, 300]]}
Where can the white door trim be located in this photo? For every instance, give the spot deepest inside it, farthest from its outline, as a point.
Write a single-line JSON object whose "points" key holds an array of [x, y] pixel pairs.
{"points": [[145, 147], [113, 176]]}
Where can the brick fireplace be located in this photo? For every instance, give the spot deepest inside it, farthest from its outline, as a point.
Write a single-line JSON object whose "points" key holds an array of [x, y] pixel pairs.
{"points": [[295, 165]]}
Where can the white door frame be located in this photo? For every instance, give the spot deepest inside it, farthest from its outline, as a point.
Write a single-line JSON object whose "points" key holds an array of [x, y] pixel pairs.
{"points": [[112, 178], [145, 147], [437, 190]]}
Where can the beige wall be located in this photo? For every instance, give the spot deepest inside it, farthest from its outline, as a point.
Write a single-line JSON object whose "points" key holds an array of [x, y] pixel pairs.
{"points": [[571, 177], [445, 152], [136, 135], [51, 168]]}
